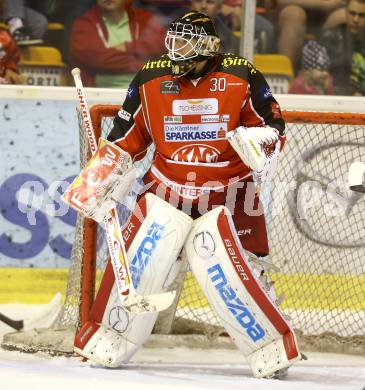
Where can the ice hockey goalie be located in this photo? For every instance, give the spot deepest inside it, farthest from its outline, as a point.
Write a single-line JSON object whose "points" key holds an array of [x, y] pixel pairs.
{"points": [[218, 132]]}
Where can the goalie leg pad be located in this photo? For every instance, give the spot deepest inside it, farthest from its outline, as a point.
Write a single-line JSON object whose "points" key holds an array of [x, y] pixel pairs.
{"points": [[221, 267], [153, 247]]}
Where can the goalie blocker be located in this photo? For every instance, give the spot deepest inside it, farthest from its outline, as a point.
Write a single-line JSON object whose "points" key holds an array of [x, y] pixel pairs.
{"points": [[245, 309], [106, 179]]}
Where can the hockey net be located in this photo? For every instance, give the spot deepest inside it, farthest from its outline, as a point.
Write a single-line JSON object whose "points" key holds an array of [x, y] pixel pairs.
{"points": [[316, 234]]}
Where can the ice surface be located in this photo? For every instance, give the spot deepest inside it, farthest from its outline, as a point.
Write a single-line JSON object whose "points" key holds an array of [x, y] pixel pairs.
{"points": [[169, 369]]}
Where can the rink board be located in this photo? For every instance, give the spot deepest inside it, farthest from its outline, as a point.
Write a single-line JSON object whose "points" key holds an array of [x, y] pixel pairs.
{"points": [[35, 286]]}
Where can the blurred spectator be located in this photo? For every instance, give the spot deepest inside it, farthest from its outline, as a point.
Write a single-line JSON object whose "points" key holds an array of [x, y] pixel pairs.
{"points": [[9, 58], [165, 10], [346, 48], [358, 74], [112, 40], [300, 17], [314, 77], [223, 23], [264, 30], [68, 11], [26, 24]]}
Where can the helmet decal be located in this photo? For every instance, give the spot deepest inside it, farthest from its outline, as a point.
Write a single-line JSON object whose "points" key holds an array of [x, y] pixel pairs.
{"points": [[191, 38]]}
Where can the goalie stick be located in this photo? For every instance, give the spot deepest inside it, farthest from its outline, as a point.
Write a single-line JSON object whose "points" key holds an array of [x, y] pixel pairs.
{"points": [[15, 324], [129, 298]]}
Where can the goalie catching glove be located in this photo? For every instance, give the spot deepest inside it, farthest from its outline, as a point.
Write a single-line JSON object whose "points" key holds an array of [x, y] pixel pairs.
{"points": [[258, 148], [106, 179]]}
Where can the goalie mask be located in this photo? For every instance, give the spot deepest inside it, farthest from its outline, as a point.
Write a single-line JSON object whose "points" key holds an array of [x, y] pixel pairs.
{"points": [[190, 39]]}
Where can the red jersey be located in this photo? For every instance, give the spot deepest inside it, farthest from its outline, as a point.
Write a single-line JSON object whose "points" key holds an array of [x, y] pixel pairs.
{"points": [[187, 120]]}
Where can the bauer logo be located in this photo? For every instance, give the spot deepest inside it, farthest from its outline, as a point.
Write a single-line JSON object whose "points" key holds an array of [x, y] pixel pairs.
{"points": [[124, 115], [145, 251], [196, 153], [235, 257], [240, 312], [195, 107]]}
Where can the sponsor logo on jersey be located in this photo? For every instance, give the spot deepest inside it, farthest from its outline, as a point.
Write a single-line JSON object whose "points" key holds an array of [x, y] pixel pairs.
{"points": [[172, 119], [131, 91], [169, 86], [215, 118], [196, 153], [157, 64], [187, 192], [234, 304], [145, 251], [238, 61], [123, 114], [234, 84], [210, 118], [195, 106], [195, 132], [265, 92]]}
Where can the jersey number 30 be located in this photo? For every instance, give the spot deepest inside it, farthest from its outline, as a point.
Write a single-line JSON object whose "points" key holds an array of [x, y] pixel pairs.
{"points": [[218, 84]]}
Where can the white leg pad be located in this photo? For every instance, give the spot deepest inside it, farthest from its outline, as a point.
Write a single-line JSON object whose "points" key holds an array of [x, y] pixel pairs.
{"points": [[154, 264], [244, 307], [267, 360], [107, 348]]}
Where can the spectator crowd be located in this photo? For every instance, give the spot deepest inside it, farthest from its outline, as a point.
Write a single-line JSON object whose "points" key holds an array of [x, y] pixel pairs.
{"points": [[324, 40]]}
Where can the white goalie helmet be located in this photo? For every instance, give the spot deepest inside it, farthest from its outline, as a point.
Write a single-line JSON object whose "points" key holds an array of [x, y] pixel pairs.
{"points": [[190, 39]]}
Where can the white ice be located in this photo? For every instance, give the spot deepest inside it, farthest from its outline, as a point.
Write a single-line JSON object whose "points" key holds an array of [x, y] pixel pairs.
{"points": [[165, 369]]}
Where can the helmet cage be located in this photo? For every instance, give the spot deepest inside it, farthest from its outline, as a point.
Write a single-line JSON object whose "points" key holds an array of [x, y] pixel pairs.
{"points": [[183, 45]]}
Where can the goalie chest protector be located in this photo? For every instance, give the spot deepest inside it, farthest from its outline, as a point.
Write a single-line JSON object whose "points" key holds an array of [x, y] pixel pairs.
{"points": [[188, 120]]}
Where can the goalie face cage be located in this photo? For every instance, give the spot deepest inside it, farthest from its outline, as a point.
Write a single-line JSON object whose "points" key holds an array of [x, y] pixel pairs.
{"points": [[316, 234]]}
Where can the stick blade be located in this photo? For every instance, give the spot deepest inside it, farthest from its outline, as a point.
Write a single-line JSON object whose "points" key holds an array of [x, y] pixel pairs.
{"points": [[136, 303]]}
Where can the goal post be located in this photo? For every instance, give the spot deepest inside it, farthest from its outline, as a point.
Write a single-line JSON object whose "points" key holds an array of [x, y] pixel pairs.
{"points": [[316, 236]]}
